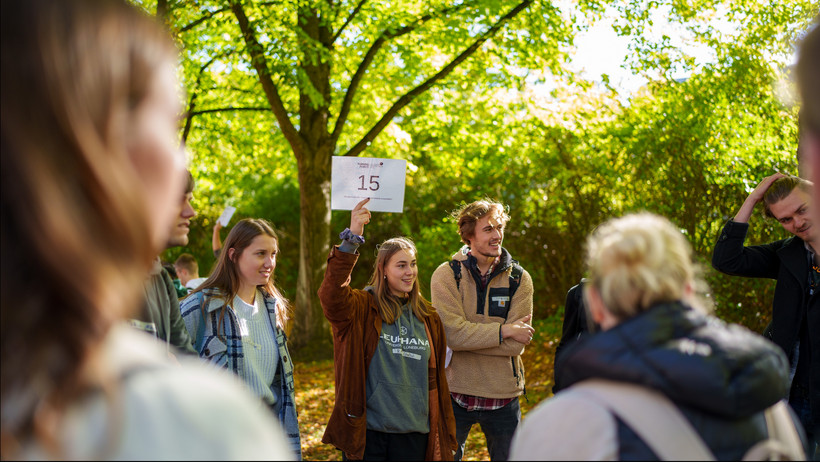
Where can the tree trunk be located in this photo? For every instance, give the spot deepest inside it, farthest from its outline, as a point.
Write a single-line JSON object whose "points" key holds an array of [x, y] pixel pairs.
{"points": [[314, 233], [314, 185], [314, 145]]}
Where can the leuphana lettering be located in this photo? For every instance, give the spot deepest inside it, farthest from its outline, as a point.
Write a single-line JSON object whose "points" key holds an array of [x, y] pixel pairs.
{"points": [[405, 341]]}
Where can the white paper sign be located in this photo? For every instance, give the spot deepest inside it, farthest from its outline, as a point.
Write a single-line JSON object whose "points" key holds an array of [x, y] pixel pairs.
{"points": [[356, 178], [225, 218]]}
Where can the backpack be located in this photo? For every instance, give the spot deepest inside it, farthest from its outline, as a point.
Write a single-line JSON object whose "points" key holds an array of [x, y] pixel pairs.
{"points": [[659, 423], [515, 275]]}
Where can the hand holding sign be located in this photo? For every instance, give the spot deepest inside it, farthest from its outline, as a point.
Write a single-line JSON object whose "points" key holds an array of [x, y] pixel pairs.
{"points": [[359, 217], [357, 178], [225, 218]]}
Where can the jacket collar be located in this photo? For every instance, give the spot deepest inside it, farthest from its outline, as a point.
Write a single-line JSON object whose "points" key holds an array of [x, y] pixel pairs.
{"points": [[794, 256], [692, 358], [216, 300], [504, 261]]}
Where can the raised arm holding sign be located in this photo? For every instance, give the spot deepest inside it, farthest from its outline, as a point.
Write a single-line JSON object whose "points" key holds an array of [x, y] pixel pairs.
{"points": [[357, 178]]}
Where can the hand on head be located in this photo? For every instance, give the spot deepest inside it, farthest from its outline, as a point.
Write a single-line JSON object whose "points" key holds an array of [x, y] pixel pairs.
{"points": [[359, 217], [764, 185]]}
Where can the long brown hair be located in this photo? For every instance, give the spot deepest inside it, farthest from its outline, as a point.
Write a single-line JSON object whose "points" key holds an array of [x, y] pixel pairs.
{"points": [[76, 243], [389, 306], [225, 276]]}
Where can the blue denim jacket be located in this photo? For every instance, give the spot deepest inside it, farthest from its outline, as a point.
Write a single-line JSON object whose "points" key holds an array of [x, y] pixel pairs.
{"points": [[227, 351]]}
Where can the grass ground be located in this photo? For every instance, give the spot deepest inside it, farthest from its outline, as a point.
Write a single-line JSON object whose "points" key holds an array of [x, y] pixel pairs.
{"points": [[315, 394]]}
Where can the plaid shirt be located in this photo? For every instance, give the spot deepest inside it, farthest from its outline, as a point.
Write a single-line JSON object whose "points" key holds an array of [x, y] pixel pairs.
{"points": [[485, 278], [229, 353], [477, 403]]}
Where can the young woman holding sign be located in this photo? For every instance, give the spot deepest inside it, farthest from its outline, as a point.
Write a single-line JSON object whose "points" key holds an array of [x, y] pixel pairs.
{"points": [[392, 398]]}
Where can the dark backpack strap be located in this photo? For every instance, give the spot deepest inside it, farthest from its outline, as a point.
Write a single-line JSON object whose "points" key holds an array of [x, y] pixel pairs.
{"points": [[456, 266], [515, 278]]}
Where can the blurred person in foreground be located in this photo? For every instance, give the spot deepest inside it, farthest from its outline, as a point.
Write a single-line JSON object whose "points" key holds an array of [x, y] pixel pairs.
{"points": [[658, 335], [91, 173], [808, 80]]}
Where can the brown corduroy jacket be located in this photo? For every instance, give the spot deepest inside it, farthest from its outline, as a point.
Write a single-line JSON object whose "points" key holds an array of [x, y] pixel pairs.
{"points": [[354, 318]]}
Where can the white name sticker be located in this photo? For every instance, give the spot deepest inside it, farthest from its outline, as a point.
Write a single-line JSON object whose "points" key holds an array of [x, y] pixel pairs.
{"points": [[502, 301], [225, 218], [356, 178]]}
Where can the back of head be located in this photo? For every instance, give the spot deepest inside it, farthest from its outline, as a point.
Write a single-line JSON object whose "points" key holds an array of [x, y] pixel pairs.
{"points": [[637, 261], [75, 237], [780, 189], [187, 262], [468, 215]]}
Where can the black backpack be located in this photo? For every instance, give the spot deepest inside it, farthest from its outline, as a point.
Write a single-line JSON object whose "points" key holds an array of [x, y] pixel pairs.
{"points": [[515, 275]]}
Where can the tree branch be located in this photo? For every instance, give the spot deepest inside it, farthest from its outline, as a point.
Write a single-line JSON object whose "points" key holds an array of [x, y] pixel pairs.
{"points": [[349, 19], [260, 64], [204, 18], [405, 99], [232, 108], [189, 114], [387, 34]]}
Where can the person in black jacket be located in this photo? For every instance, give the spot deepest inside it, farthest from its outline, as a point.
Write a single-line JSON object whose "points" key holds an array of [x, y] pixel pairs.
{"points": [[655, 333], [576, 325], [795, 324]]}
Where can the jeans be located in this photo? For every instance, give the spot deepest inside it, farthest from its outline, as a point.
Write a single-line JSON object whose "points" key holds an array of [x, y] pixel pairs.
{"points": [[393, 446], [498, 427]]}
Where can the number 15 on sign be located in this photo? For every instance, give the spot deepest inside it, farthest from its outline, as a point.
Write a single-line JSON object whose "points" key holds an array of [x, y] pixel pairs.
{"points": [[356, 178]]}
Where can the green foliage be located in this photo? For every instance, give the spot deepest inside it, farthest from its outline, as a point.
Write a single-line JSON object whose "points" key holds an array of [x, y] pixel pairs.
{"points": [[510, 123]]}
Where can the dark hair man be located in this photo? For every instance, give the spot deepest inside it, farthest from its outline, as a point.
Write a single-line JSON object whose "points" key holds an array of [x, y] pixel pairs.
{"points": [[484, 299], [795, 325], [160, 315]]}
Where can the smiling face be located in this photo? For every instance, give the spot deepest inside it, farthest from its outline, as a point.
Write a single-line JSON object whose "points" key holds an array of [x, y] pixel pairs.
{"points": [[179, 233], [489, 232], [255, 264], [401, 272], [793, 213]]}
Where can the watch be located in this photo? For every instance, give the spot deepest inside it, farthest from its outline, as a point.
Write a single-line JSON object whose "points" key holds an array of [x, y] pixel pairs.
{"points": [[348, 235]]}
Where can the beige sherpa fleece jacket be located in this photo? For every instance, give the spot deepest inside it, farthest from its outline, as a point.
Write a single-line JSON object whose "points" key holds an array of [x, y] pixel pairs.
{"points": [[480, 365]]}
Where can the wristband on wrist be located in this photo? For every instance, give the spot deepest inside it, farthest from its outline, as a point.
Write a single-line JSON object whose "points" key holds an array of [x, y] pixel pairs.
{"points": [[348, 235]]}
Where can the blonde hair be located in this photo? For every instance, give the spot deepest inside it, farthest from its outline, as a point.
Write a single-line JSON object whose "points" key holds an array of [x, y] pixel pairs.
{"points": [[75, 232], [640, 260], [389, 307]]}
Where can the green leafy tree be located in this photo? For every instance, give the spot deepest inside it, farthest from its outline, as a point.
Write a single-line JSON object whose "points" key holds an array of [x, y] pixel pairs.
{"points": [[277, 88], [334, 75]]}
